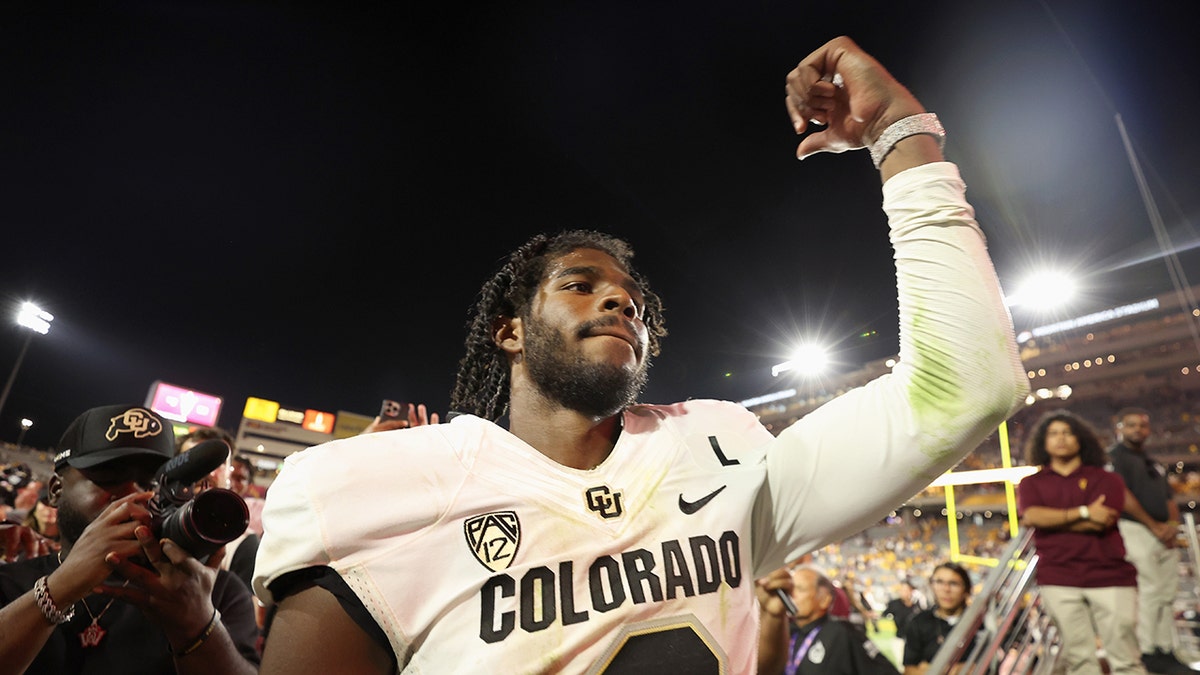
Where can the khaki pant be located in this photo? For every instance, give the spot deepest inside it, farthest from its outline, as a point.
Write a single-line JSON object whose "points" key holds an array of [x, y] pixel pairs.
{"points": [[1083, 614], [1158, 583]]}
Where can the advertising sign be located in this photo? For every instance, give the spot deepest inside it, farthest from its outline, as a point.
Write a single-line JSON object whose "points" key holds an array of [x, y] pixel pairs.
{"points": [[261, 409], [350, 424], [183, 405], [316, 420]]}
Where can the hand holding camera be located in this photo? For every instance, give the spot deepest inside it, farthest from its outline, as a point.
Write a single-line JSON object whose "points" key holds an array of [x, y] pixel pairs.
{"points": [[199, 522], [179, 537], [400, 415]]}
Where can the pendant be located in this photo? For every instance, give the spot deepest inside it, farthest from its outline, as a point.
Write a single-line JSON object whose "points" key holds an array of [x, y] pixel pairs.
{"points": [[92, 635]]}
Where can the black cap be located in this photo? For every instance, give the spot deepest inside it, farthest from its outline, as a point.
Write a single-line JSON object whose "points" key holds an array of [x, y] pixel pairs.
{"points": [[113, 432]]}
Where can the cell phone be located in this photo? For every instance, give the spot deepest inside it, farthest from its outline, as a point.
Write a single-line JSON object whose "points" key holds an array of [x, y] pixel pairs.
{"points": [[788, 605], [394, 410]]}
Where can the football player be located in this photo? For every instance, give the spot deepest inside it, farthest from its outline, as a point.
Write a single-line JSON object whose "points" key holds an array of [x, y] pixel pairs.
{"points": [[558, 526]]}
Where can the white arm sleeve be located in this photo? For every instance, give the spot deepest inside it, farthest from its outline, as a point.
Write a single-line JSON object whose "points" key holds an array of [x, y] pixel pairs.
{"points": [[850, 462]]}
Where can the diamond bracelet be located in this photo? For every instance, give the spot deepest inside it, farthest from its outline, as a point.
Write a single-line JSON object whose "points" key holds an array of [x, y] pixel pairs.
{"points": [[41, 593], [923, 123]]}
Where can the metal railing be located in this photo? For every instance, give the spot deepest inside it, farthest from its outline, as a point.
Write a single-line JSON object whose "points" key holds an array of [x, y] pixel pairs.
{"points": [[1005, 630], [1189, 532]]}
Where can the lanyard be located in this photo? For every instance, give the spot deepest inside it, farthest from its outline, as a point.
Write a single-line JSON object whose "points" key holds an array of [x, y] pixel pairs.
{"points": [[799, 654]]}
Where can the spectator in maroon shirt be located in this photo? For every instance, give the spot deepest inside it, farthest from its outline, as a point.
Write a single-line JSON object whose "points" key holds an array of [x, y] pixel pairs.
{"points": [[1073, 504]]}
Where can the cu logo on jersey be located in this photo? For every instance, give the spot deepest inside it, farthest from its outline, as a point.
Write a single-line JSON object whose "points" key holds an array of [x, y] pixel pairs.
{"points": [[136, 421], [493, 538], [604, 501]]}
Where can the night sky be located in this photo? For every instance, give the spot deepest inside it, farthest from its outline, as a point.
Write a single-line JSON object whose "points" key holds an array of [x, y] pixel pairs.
{"points": [[300, 201]]}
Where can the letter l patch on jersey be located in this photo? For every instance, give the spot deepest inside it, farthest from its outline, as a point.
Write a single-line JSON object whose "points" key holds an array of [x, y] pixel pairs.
{"points": [[725, 461]]}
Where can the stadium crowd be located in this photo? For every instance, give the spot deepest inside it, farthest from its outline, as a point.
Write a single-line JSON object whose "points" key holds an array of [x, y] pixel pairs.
{"points": [[177, 602], [875, 568]]}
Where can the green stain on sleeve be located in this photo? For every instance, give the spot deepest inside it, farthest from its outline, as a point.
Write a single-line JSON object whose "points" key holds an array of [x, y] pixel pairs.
{"points": [[936, 391]]}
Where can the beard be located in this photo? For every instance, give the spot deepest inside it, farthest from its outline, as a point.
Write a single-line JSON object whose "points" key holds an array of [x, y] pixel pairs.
{"points": [[593, 389], [71, 522]]}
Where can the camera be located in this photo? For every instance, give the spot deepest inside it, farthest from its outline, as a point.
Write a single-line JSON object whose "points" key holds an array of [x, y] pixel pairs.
{"points": [[394, 410], [200, 522]]}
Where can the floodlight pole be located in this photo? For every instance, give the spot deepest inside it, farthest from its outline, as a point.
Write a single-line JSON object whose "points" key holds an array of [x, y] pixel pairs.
{"points": [[12, 377]]}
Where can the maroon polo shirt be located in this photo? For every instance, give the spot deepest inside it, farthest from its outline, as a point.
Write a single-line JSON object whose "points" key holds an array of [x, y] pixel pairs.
{"points": [[1080, 559]]}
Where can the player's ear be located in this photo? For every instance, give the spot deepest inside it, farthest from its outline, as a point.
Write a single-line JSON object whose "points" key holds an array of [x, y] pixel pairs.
{"points": [[508, 332], [54, 489]]}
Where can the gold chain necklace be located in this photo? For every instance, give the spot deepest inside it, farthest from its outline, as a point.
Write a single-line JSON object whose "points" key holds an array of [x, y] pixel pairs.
{"points": [[94, 633]]}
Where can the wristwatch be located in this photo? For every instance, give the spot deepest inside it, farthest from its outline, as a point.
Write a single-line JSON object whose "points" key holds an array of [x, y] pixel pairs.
{"points": [[1083, 513]]}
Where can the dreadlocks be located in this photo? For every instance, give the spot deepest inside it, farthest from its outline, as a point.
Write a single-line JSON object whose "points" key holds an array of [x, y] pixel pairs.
{"points": [[482, 387]]}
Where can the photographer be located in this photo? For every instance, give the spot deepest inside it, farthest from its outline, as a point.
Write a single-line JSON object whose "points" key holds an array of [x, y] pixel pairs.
{"points": [[117, 599]]}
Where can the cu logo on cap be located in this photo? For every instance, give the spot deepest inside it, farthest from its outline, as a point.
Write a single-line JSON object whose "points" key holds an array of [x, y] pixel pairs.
{"points": [[136, 421], [604, 502]]}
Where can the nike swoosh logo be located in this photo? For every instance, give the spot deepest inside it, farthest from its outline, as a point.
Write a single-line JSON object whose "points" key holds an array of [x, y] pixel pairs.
{"points": [[691, 507]]}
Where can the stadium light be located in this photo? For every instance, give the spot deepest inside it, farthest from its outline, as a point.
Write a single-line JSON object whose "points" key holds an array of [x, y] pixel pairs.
{"points": [[37, 321], [1044, 291], [26, 424], [32, 317], [809, 360]]}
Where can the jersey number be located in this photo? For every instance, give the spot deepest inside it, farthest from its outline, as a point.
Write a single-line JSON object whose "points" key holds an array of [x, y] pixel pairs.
{"points": [[677, 645]]}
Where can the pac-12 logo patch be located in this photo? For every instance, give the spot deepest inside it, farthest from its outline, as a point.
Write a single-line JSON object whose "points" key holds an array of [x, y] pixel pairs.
{"points": [[494, 538]]}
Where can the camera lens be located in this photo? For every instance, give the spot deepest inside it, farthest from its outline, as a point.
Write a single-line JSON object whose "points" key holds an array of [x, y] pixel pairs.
{"points": [[218, 516], [207, 522]]}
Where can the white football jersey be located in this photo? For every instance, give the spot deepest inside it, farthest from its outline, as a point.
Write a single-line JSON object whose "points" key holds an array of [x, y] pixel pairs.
{"points": [[476, 553]]}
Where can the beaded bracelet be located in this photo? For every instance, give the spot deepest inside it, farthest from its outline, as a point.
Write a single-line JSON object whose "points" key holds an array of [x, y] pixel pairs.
{"points": [[202, 637], [923, 123], [41, 593]]}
